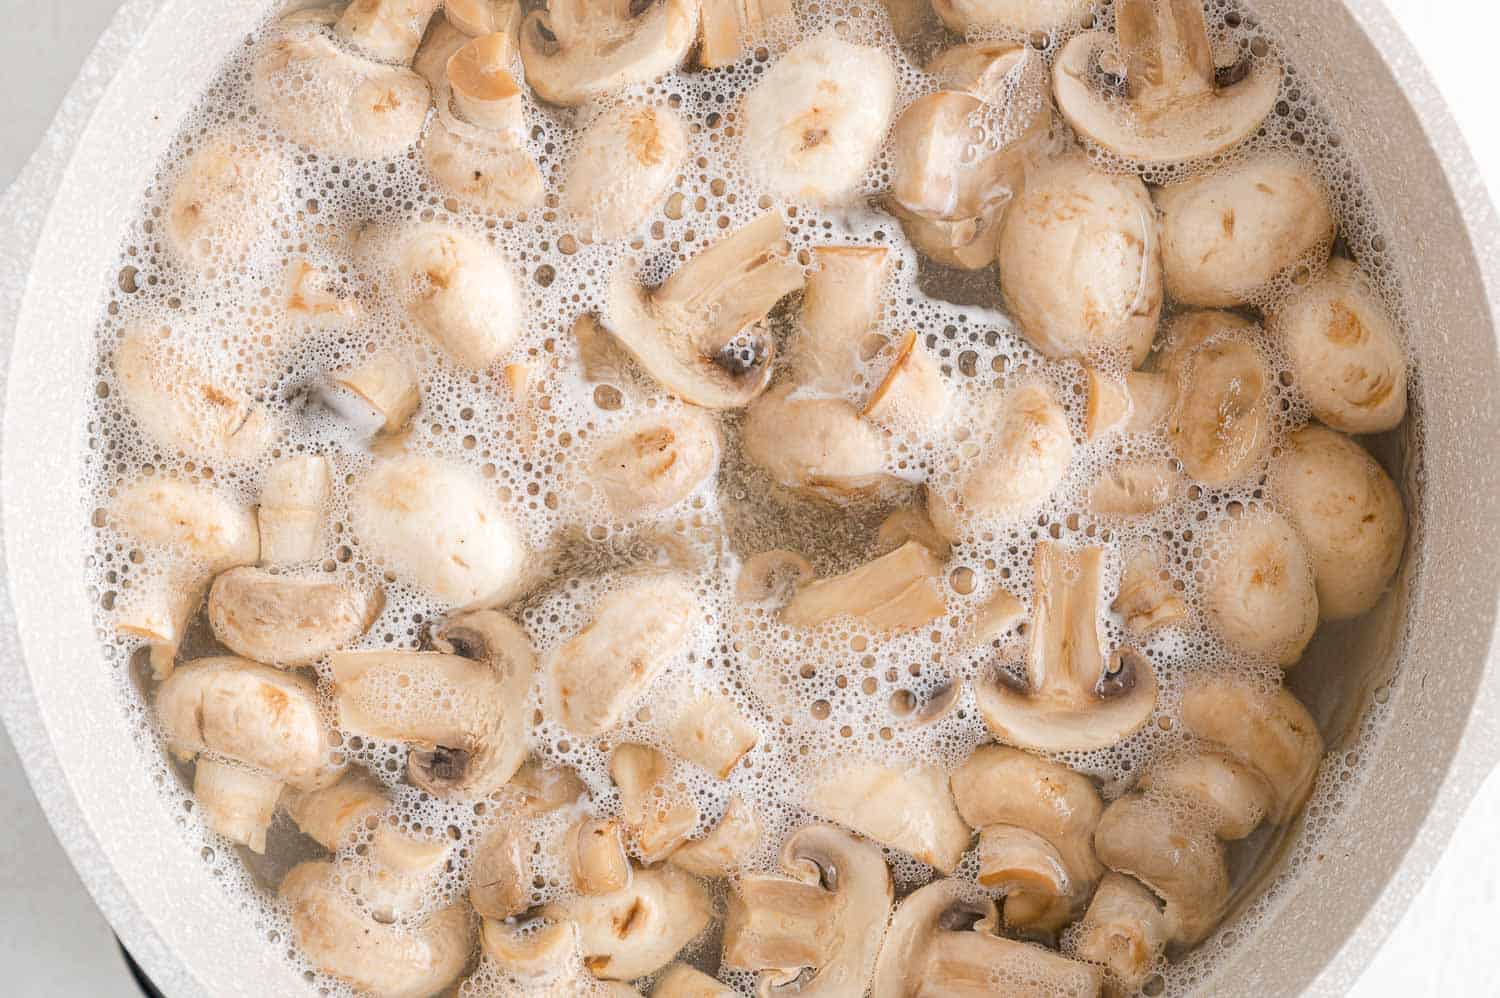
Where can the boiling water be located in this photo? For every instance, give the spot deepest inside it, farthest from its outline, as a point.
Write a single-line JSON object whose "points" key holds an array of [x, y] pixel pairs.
{"points": [[824, 696]]}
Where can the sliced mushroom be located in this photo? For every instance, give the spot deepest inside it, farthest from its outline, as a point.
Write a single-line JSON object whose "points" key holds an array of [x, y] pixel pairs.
{"points": [[597, 675], [815, 930], [841, 304], [1124, 930], [1235, 795], [816, 446], [999, 614], [1174, 110], [712, 732], [911, 523], [729, 27], [1221, 426], [909, 809], [657, 460], [1148, 598], [483, 17], [397, 873], [1017, 466], [772, 577], [682, 981], [1269, 731], [536, 956], [1228, 234], [1022, 18], [700, 333], [1137, 403], [636, 931], [248, 717], [576, 49], [895, 592], [1261, 590], [596, 856], [386, 389], [500, 879], [1164, 846], [293, 496], [483, 91], [547, 788], [310, 297], [159, 608], [196, 519], [1080, 262], [1349, 515], [465, 715], [1075, 699], [625, 160], [224, 201], [387, 30], [1135, 488], [434, 523], [913, 395], [725, 849], [286, 620], [461, 293], [660, 818], [341, 938], [815, 119], [330, 815], [942, 942], [1346, 352]]}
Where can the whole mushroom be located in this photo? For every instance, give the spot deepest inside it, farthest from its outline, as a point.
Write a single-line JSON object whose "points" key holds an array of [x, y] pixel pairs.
{"points": [[461, 292], [1261, 591]]}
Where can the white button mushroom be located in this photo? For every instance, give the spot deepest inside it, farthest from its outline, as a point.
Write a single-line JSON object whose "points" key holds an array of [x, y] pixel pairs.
{"points": [[913, 395], [1140, 402], [195, 519], [483, 17], [817, 446], [500, 879], [641, 928], [1234, 797], [1148, 598], [839, 307], [895, 592], [1226, 235], [382, 392], [623, 163], [1135, 488], [1220, 427], [224, 201], [596, 856], [656, 461], [286, 620], [433, 523], [1080, 262], [1345, 351], [387, 30], [660, 817], [726, 848], [910, 809], [1261, 593], [1349, 514], [815, 120], [330, 815], [1124, 930], [293, 496], [577, 49], [461, 292], [1017, 17], [158, 608], [712, 732], [310, 297]]}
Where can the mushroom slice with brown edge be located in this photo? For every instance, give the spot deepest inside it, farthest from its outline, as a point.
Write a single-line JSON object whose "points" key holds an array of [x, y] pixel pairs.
{"points": [[286, 620], [1269, 731], [193, 518], [596, 856], [700, 333], [839, 307], [1036, 821], [329, 815], [1124, 929], [1080, 262], [461, 292], [726, 848], [625, 160], [895, 592], [1148, 598], [1135, 488], [500, 878], [341, 938], [1226, 235], [1235, 794], [382, 392], [1137, 403], [1220, 427], [712, 732], [942, 943], [1348, 513], [597, 675], [577, 49], [158, 608], [656, 460], [815, 930], [544, 957], [730, 26], [1022, 18], [641, 928], [253, 729], [1174, 109], [682, 981], [224, 201], [911, 523], [464, 715], [1345, 351], [1075, 699], [816, 446], [909, 809], [483, 17], [1261, 591], [660, 817], [913, 395], [293, 499], [310, 297]]}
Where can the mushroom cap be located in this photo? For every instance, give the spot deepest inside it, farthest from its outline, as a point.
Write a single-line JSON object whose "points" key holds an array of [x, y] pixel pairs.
{"points": [[461, 292], [1124, 930], [577, 49], [639, 929], [818, 446], [895, 592], [1135, 488], [1017, 17], [624, 162], [1160, 844], [1080, 262], [285, 620], [1227, 234], [500, 878], [224, 200], [1236, 795], [815, 120], [596, 856], [195, 519], [386, 30], [656, 460], [909, 809], [1221, 425], [483, 17], [1345, 351], [724, 849], [1261, 590], [1348, 513]]}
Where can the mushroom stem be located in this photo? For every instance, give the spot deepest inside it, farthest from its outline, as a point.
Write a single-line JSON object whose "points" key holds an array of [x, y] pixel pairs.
{"points": [[841, 304], [387, 30], [292, 500], [158, 609], [1124, 930], [730, 25], [895, 592], [1164, 45], [237, 802]]}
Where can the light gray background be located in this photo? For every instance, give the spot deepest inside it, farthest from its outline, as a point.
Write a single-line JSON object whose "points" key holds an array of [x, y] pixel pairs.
{"points": [[54, 944]]}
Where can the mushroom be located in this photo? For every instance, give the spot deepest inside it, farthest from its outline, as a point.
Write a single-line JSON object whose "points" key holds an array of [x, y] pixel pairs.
{"points": [[942, 942], [909, 809], [184, 401], [1124, 930], [539, 956], [726, 848], [624, 162], [656, 460], [1221, 425], [815, 119], [193, 518], [224, 201], [382, 392], [730, 26], [680, 980], [1022, 18], [397, 872], [712, 732], [1140, 402], [433, 522], [1236, 796], [895, 592], [1348, 513], [330, 815], [596, 856], [1017, 465], [577, 49], [1261, 592], [911, 523], [500, 878], [1174, 109], [1164, 846], [462, 709], [817, 446], [293, 496], [309, 297], [913, 394], [772, 577], [1075, 699], [839, 307], [639, 929], [331, 99], [1135, 488], [1080, 262], [598, 674], [700, 333], [1036, 821], [547, 788], [341, 938], [483, 17], [286, 620], [816, 928], [1226, 235], [1148, 598], [1345, 351], [652, 808], [460, 291], [253, 730], [158, 608], [386, 30]]}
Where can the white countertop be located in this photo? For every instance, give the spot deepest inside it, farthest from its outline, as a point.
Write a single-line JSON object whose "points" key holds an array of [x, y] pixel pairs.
{"points": [[55, 944]]}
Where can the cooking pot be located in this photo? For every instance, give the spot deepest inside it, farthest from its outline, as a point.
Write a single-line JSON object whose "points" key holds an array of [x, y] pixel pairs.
{"points": [[1424, 660]]}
